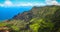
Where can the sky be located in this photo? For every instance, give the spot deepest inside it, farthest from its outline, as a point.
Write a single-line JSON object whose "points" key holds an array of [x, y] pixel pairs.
{"points": [[14, 3]]}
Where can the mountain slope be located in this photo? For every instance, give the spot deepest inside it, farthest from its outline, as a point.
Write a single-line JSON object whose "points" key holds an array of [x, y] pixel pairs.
{"points": [[38, 19], [38, 12]]}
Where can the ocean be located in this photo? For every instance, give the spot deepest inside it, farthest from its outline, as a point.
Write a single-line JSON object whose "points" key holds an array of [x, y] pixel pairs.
{"points": [[9, 12]]}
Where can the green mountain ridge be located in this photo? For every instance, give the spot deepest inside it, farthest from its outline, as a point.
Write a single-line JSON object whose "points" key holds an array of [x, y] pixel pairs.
{"points": [[49, 14], [38, 19], [38, 12]]}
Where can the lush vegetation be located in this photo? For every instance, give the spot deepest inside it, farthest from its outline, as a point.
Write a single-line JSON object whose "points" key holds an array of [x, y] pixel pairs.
{"points": [[39, 19]]}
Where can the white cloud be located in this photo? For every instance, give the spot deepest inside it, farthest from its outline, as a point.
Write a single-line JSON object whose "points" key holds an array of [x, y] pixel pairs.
{"points": [[52, 2], [23, 4], [8, 3], [30, 4]]}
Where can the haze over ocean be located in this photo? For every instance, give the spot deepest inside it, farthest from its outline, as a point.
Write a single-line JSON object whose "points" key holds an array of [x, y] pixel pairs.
{"points": [[9, 8]]}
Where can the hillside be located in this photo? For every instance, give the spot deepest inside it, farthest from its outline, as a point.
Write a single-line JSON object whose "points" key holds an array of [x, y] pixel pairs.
{"points": [[38, 12], [38, 19]]}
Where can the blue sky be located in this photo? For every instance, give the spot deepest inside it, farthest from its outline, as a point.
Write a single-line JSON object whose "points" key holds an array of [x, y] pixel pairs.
{"points": [[24, 0], [14, 3]]}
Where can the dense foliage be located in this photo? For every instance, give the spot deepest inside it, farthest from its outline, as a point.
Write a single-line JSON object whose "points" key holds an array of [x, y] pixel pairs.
{"points": [[39, 19]]}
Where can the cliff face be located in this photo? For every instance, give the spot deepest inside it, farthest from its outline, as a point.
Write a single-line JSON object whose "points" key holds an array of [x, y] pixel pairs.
{"points": [[38, 12], [26, 16]]}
